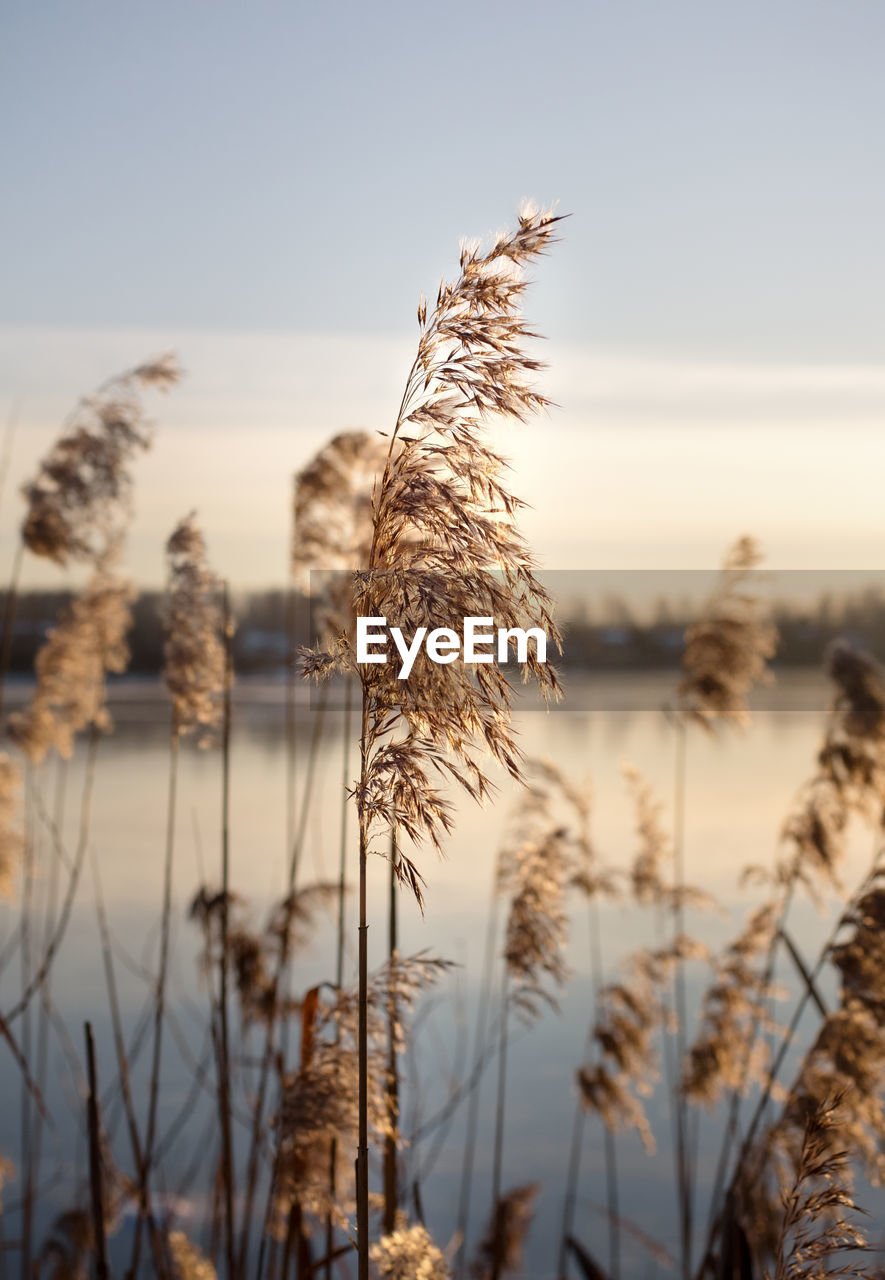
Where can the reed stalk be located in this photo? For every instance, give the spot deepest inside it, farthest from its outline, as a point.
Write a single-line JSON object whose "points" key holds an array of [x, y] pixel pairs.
{"points": [[45, 998], [339, 945], [224, 1060], [160, 995], [102, 1271], [391, 1189], [26, 1116], [479, 1050], [500, 1104]]}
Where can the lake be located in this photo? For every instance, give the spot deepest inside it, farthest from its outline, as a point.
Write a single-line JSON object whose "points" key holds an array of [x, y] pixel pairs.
{"points": [[738, 790]]}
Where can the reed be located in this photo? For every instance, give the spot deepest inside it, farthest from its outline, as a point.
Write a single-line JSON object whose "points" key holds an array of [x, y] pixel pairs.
{"points": [[443, 518]]}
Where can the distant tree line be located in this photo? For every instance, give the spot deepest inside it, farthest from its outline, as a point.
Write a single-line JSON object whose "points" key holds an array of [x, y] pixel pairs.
{"points": [[619, 642]]}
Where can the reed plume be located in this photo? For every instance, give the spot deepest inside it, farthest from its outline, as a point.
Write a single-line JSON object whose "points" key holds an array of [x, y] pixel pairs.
{"points": [[626, 1068], [445, 547], [194, 649], [502, 1246], [537, 923], [11, 839], [850, 777], [332, 518], [7, 1170], [88, 641], [651, 870], [727, 1053], [728, 648], [79, 498], [188, 1263], [408, 1253], [817, 1227], [320, 1105], [845, 1060]]}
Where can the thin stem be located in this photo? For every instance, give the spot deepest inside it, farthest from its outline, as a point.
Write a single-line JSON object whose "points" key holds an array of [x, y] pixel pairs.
{"points": [[597, 977], [45, 995], [145, 1209], [479, 1049], [160, 1000], [339, 948], [280, 983], [362, 1160], [679, 996], [102, 1271], [49, 954], [391, 1194], [224, 1044], [497, 1163], [291, 676], [164, 948], [26, 1115]]}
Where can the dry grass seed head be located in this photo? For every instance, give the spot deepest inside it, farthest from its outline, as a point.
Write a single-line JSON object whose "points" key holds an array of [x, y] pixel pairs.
{"points": [[79, 499], [817, 1226], [727, 650], [408, 1253], [850, 777], [320, 1098], [88, 641], [445, 545], [506, 1234], [193, 652], [188, 1262], [11, 838], [728, 1053]]}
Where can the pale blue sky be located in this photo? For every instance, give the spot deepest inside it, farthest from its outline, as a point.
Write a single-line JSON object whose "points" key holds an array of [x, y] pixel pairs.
{"points": [[308, 166], [217, 176]]}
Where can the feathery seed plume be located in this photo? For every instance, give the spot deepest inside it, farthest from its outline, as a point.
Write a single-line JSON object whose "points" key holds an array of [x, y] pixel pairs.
{"points": [[88, 641], [11, 840], [506, 1235], [79, 498], [332, 520], [816, 1228], [194, 650], [187, 1260], [850, 777], [319, 1101], [728, 1052], [408, 1253], [445, 547], [727, 650]]}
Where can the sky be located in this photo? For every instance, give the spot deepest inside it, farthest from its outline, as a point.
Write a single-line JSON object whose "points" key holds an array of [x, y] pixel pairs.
{"points": [[268, 188]]}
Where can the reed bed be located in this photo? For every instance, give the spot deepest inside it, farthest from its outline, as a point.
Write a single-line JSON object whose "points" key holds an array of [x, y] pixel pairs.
{"points": [[303, 1143]]}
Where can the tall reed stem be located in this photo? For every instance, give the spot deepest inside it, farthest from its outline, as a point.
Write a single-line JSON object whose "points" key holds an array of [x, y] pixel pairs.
{"points": [[45, 996], [339, 944], [497, 1163], [26, 1114], [224, 1080], [684, 1180], [160, 998], [482, 1014], [362, 1159], [597, 978], [102, 1271], [391, 1192]]}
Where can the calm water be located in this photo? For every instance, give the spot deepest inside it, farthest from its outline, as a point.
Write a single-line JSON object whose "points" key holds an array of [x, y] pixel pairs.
{"points": [[738, 790]]}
